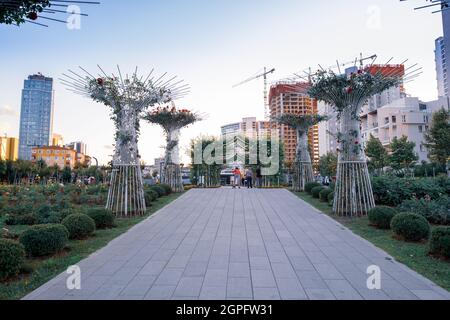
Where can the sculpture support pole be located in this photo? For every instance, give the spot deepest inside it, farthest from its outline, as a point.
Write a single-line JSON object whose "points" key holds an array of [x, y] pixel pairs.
{"points": [[353, 194], [172, 170], [126, 193], [303, 166]]}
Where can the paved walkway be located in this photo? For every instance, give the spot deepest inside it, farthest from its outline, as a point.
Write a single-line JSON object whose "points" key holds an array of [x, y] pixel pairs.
{"points": [[239, 244]]}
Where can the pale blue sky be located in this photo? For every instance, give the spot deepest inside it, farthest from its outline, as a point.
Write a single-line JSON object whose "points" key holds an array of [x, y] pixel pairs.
{"points": [[212, 44]]}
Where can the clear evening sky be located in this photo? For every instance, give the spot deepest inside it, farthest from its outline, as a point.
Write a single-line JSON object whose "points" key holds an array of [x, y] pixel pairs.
{"points": [[212, 44]]}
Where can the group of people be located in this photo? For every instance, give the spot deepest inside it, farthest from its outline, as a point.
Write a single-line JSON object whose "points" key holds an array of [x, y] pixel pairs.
{"points": [[247, 178]]}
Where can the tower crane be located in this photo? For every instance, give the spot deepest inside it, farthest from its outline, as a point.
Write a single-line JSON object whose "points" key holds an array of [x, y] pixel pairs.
{"points": [[262, 75]]}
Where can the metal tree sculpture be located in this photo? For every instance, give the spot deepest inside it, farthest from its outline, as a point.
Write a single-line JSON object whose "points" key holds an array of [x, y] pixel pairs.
{"points": [[128, 98], [303, 172], [172, 121], [348, 94]]}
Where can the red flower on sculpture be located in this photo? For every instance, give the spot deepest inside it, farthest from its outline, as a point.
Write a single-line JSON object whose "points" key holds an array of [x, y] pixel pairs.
{"points": [[100, 81]]}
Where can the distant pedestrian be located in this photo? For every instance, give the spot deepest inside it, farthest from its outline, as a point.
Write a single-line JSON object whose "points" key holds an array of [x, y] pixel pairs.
{"points": [[258, 177], [249, 178], [237, 178]]}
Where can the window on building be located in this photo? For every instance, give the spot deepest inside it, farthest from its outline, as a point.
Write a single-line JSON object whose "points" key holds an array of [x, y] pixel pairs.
{"points": [[420, 129], [403, 119], [394, 119]]}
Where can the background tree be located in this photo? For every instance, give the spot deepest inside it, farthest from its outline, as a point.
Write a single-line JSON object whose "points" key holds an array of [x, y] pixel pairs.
{"points": [[328, 165], [438, 138], [2, 170], [402, 153], [376, 153]]}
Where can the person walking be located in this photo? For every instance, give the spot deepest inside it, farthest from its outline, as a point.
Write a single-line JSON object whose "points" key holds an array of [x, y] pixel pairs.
{"points": [[237, 178], [258, 177], [249, 178]]}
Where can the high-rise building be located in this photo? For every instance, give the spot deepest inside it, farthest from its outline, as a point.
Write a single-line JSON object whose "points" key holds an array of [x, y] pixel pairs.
{"points": [[442, 52], [36, 115], [79, 146], [441, 67], [9, 148], [57, 140], [283, 99], [249, 128]]}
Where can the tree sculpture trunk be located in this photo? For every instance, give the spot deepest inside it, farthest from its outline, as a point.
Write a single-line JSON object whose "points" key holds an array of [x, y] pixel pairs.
{"points": [[126, 191], [303, 172], [353, 194], [172, 170]]}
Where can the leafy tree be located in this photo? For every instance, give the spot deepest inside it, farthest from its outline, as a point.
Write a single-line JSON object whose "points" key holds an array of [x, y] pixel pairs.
{"points": [[438, 138], [402, 153], [377, 153], [2, 170], [66, 174], [328, 164]]}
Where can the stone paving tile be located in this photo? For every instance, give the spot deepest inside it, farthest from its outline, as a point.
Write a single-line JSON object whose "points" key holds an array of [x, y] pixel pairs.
{"points": [[239, 244]]}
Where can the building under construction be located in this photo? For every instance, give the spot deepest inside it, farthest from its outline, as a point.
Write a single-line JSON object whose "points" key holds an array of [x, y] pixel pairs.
{"points": [[284, 99]]}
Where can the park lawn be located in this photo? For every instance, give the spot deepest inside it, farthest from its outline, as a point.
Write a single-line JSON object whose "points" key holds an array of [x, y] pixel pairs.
{"points": [[413, 255], [48, 268]]}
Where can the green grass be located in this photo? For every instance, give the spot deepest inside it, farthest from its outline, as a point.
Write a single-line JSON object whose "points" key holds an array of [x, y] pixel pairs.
{"points": [[45, 270], [414, 255]]}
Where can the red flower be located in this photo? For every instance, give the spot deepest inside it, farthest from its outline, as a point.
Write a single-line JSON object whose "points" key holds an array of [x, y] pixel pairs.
{"points": [[356, 142], [349, 90], [100, 81], [33, 15]]}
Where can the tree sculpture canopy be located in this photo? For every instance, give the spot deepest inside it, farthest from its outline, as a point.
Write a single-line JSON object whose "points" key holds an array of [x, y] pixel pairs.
{"points": [[352, 91], [300, 122], [171, 118]]}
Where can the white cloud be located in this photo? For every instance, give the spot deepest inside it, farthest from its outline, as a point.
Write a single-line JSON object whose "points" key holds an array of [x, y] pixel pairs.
{"points": [[7, 110]]}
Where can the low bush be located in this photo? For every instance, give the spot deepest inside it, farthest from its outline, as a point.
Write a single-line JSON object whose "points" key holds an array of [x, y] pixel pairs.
{"points": [[381, 217], [79, 225], [440, 242], [315, 192], [159, 190], [167, 188], [392, 191], [46, 215], [103, 218], [410, 226], [435, 211], [150, 196], [28, 219], [12, 257], [331, 198], [310, 185], [323, 196], [43, 240]]}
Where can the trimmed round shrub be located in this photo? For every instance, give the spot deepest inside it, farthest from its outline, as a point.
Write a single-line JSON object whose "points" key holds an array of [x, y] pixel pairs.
{"points": [[44, 239], [323, 196], [79, 225], [440, 241], [411, 226], [158, 189], [381, 217], [315, 192], [103, 218], [310, 185], [167, 188], [150, 196], [12, 257]]}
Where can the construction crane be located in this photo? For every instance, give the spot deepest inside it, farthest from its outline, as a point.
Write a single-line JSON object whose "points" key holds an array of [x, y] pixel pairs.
{"points": [[262, 75]]}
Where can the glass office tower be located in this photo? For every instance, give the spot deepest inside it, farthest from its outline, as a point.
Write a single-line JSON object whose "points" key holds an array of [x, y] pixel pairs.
{"points": [[36, 115]]}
